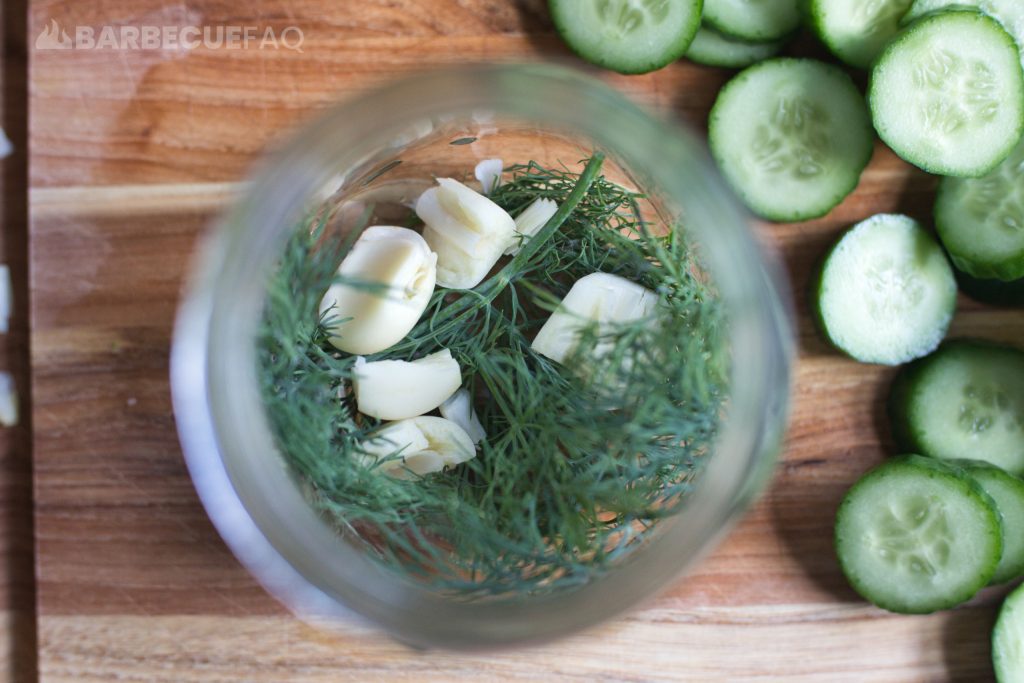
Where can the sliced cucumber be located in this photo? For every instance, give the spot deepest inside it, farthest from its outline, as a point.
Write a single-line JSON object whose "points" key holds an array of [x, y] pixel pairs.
{"points": [[886, 293], [791, 136], [1007, 491], [992, 292], [947, 94], [856, 31], [981, 220], [713, 48], [964, 401], [628, 36], [1008, 639], [1009, 13], [753, 19], [915, 535]]}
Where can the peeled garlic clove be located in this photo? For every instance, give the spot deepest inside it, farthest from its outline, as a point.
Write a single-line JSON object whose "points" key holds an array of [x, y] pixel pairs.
{"points": [[425, 444], [488, 172], [402, 438], [398, 389], [459, 409], [467, 231], [370, 319], [530, 221], [596, 298]]}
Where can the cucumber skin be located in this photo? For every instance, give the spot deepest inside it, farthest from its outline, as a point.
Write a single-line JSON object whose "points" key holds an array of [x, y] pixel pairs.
{"points": [[808, 214], [913, 158], [1009, 269], [1004, 676], [993, 292], [771, 49], [902, 393], [972, 466], [933, 468], [678, 51]]}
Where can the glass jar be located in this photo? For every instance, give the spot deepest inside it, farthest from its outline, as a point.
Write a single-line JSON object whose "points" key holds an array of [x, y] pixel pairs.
{"points": [[435, 123]]}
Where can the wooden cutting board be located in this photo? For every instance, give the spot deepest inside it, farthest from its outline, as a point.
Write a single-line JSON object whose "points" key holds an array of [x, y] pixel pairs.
{"points": [[133, 152]]}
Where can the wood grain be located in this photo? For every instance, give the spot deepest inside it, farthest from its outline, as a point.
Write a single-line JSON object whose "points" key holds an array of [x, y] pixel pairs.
{"points": [[132, 154]]}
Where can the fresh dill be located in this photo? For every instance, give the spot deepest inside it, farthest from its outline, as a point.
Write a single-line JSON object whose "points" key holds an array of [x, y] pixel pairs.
{"points": [[577, 467]]}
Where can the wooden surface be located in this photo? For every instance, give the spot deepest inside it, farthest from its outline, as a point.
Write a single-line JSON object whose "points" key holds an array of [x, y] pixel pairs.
{"points": [[133, 152]]}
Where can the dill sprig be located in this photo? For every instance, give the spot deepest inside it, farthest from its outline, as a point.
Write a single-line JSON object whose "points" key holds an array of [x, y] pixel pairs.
{"points": [[577, 466]]}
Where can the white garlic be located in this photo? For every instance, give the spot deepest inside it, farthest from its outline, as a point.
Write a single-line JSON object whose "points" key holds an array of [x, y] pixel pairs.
{"points": [[372, 320], [459, 409], [398, 389], [530, 221], [488, 172], [596, 298], [467, 231], [424, 444]]}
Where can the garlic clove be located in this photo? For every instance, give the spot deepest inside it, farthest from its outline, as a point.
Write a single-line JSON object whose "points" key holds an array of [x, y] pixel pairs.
{"points": [[447, 439], [488, 172], [467, 231], [596, 298], [530, 221], [371, 320], [398, 389], [401, 438], [459, 409], [425, 444]]}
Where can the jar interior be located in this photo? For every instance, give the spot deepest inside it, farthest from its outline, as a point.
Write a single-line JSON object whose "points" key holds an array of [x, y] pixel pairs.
{"points": [[558, 495]]}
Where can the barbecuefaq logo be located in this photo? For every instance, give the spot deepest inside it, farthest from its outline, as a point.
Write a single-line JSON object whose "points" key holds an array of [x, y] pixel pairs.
{"points": [[55, 36]]}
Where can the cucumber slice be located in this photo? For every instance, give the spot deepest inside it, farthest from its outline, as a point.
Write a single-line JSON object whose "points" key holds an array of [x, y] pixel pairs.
{"points": [[1008, 639], [992, 292], [628, 36], [915, 536], [981, 220], [1009, 13], [886, 293], [713, 48], [856, 31], [964, 401], [1007, 491], [947, 94], [753, 19], [791, 136]]}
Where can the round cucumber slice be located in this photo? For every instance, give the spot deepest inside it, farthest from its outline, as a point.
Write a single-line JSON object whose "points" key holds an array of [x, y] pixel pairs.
{"points": [[1009, 13], [791, 136], [981, 220], [856, 31], [628, 36], [947, 94], [964, 401], [915, 535], [1008, 639], [713, 48], [1007, 491], [886, 293], [757, 20]]}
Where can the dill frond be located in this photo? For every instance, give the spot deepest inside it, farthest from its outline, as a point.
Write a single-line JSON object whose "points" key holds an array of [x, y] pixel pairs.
{"points": [[577, 467]]}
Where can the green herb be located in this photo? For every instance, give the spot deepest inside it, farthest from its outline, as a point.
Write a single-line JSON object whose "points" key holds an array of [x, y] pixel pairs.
{"points": [[463, 141], [577, 466]]}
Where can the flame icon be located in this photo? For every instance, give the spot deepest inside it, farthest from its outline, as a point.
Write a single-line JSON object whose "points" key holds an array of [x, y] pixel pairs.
{"points": [[54, 37]]}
